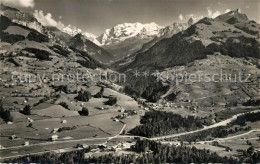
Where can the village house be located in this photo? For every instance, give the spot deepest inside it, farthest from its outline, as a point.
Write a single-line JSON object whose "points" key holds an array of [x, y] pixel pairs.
{"points": [[116, 120], [54, 137], [26, 143], [54, 130], [121, 109], [63, 121], [9, 122], [12, 137]]}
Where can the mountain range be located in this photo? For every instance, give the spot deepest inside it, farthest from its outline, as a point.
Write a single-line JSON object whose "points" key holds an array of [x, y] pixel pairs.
{"points": [[125, 39], [120, 41], [143, 46], [231, 34]]}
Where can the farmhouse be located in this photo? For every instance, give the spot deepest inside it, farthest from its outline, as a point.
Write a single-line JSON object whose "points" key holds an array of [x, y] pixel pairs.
{"points": [[63, 121], [54, 130], [26, 143], [84, 146], [121, 109], [54, 137], [12, 137], [126, 145], [116, 120], [29, 119]]}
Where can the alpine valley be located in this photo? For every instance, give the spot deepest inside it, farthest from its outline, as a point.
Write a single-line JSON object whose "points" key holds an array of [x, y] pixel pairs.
{"points": [[138, 93]]}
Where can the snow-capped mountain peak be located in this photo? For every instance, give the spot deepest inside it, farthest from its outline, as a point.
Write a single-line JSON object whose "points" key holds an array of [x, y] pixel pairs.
{"points": [[172, 29], [194, 19], [72, 30], [124, 31], [91, 37]]}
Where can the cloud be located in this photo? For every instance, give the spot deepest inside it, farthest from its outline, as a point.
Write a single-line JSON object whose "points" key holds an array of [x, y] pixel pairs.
{"points": [[215, 14], [212, 14], [195, 18], [45, 20], [181, 17], [209, 11], [18, 3], [227, 10], [48, 20]]}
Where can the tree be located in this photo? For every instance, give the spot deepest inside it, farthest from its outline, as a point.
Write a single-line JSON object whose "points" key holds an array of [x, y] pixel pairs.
{"points": [[62, 88], [181, 142], [4, 114], [83, 96], [100, 93], [84, 112], [27, 110], [251, 150], [30, 125], [248, 142], [111, 101], [64, 105]]}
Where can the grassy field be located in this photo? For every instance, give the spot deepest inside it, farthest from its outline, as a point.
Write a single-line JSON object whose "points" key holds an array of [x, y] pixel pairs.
{"points": [[55, 111]]}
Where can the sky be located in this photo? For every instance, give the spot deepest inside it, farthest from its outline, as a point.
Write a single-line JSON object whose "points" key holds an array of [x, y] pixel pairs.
{"points": [[95, 16]]}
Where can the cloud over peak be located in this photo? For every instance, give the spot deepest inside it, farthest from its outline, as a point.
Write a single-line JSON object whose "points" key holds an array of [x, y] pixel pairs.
{"points": [[18, 3], [48, 20], [45, 20], [181, 17], [212, 14]]}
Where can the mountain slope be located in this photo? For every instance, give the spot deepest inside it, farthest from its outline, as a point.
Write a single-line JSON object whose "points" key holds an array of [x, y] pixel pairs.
{"points": [[231, 34], [166, 32], [21, 18], [80, 42], [12, 32], [61, 35], [25, 36]]}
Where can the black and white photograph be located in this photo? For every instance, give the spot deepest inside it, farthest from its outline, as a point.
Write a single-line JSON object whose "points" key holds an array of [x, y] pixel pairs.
{"points": [[129, 81]]}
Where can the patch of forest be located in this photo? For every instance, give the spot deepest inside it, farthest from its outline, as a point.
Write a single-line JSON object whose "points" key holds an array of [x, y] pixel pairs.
{"points": [[158, 123], [147, 87]]}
